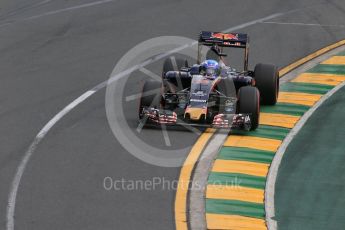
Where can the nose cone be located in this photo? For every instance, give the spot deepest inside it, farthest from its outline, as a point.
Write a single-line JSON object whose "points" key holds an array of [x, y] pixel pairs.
{"points": [[195, 113]]}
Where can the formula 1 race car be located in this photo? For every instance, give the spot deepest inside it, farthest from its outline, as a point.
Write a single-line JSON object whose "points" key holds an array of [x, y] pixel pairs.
{"points": [[210, 93]]}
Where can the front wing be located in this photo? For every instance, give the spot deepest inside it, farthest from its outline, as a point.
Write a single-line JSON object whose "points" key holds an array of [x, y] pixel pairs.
{"points": [[156, 117]]}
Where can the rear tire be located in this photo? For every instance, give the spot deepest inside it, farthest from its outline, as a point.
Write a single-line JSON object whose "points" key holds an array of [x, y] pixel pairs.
{"points": [[249, 103], [267, 81], [151, 95]]}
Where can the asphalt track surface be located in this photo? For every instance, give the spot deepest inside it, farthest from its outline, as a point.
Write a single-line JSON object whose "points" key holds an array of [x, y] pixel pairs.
{"points": [[54, 51], [310, 189]]}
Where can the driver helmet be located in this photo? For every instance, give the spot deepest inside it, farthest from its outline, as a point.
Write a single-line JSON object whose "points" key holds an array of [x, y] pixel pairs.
{"points": [[210, 68]]}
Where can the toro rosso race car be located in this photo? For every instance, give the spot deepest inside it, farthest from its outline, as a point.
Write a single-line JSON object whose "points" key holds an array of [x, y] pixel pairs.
{"points": [[210, 93]]}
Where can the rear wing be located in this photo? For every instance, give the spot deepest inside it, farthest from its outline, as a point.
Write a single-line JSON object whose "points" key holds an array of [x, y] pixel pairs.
{"points": [[224, 39], [233, 40]]}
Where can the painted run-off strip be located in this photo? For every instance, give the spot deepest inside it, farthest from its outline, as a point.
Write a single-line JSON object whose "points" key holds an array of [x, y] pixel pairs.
{"points": [[221, 178], [235, 207], [243, 167], [285, 108], [235, 192], [265, 131], [320, 78], [253, 142], [335, 60], [296, 98], [328, 69], [280, 120], [304, 88], [245, 154], [235, 222]]}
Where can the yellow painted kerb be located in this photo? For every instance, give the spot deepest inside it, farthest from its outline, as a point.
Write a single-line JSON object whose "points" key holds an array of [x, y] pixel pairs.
{"points": [[320, 78], [280, 120], [235, 192], [335, 60], [242, 167], [299, 98], [185, 177], [260, 143], [234, 222]]}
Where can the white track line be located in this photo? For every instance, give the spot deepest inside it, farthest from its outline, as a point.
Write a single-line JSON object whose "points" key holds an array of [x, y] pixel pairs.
{"points": [[68, 9], [22, 166], [16, 181], [59, 11], [166, 135], [302, 24]]}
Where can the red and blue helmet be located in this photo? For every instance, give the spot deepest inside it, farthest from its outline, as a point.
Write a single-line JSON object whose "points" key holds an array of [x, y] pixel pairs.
{"points": [[210, 68]]}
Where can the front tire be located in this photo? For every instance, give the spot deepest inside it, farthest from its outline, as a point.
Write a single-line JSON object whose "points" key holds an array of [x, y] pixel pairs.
{"points": [[267, 81], [175, 64], [249, 103]]}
